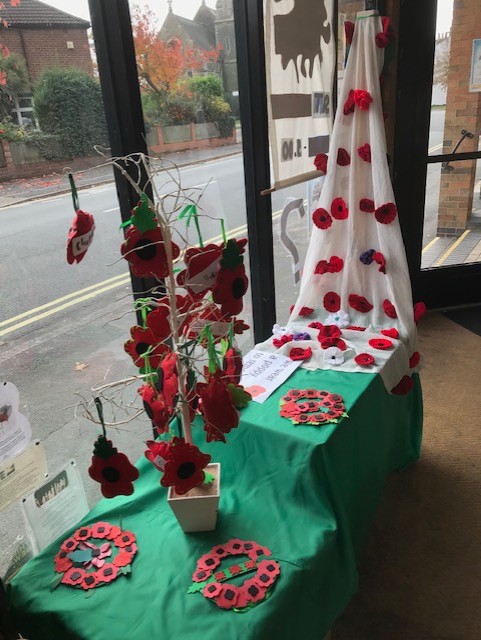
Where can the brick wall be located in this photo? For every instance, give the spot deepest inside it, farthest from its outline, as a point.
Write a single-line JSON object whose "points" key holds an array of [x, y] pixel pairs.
{"points": [[463, 111], [44, 48]]}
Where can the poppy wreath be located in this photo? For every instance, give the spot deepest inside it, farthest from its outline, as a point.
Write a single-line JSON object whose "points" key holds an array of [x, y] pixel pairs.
{"points": [[86, 559], [211, 580], [316, 407]]}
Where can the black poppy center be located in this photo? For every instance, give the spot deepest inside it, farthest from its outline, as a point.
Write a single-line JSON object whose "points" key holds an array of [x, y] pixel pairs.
{"points": [[141, 348], [186, 470], [253, 590], [211, 588], [219, 551], [108, 571], [238, 288], [89, 580], [210, 561], [76, 575], [145, 249], [248, 546], [229, 594], [264, 577], [111, 474]]}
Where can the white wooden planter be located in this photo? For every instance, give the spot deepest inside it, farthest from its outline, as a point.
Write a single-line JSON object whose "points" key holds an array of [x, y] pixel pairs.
{"points": [[196, 510]]}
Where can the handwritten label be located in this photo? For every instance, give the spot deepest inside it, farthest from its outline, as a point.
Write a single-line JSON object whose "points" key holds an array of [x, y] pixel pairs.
{"points": [[80, 244], [263, 373]]}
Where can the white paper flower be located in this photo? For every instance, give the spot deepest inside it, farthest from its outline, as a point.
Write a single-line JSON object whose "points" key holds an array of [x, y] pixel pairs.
{"points": [[340, 319], [278, 331], [333, 355]]}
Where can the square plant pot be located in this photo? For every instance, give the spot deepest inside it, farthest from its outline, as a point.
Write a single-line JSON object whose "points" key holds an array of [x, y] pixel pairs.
{"points": [[196, 510]]}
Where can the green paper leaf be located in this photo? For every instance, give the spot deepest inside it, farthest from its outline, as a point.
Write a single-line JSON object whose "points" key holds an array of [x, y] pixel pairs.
{"points": [[240, 396], [209, 478], [195, 587], [55, 582], [80, 555], [231, 256], [142, 216], [126, 570], [90, 592]]}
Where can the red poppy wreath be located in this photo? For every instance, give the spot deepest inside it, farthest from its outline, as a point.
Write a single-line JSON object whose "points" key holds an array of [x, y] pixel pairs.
{"points": [[210, 580], [316, 407], [94, 556]]}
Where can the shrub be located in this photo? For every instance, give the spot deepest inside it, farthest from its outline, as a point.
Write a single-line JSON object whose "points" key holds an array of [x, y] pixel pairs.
{"points": [[14, 70], [217, 110], [205, 87]]}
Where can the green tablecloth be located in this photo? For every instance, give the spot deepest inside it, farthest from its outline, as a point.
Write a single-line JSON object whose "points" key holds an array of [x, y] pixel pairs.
{"points": [[306, 493]]}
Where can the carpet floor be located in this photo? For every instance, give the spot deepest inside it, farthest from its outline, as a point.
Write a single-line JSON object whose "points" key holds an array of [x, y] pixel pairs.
{"points": [[420, 572]]}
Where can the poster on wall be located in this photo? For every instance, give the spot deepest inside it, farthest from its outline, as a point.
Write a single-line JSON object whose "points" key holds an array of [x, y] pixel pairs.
{"points": [[475, 77], [300, 65]]}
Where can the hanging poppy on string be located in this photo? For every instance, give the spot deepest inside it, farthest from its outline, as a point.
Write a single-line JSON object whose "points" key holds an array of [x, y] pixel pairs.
{"points": [[81, 231]]}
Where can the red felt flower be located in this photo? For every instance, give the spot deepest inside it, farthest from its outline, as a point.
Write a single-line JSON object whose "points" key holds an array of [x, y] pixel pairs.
{"points": [[329, 331], [267, 572], [389, 309], [367, 205], [235, 547], [354, 327], [321, 267], [73, 576], [217, 408], [184, 469], [320, 162], [315, 325], [414, 360], [107, 573], [169, 383], [253, 591], [297, 353], [343, 158], [113, 470], [125, 539], [364, 359], [335, 264], [122, 559], [386, 213], [155, 408], [70, 544], [220, 551], [101, 530], [419, 311], [157, 453], [90, 581], [80, 236], [349, 31], [381, 261], [321, 219], [364, 152], [231, 283], [390, 333], [146, 252], [326, 343], [83, 533], [200, 575], [359, 303], [62, 563], [232, 365], [306, 311], [201, 267], [350, 103], [240, 326], [362, 99], [382, 40], [339, 209], [332, 301], [142, 341], [380, 343], [228, 596], [208, 562], [279, 342], [212, 590], [114, 532], [404, 386]]}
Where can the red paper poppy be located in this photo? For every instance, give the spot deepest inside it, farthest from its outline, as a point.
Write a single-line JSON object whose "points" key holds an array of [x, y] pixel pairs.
{"points": [[131, 549], [339, 209], [359, 303], [380, 343], [220, 575], [235, 547], [143, 340], [122, 559], [229, 290], [253, 591], [390, 333], [306, 311], [184, 469], [228, 596], [232, 365], [297, 353], [217, 408], [350, 103], [201, 267], [212, 590], [101, 530], [404, 386], [332, 301], [321, 219], [389, 309], [349, 31], [364, 359], [386, 213], [381, 261], [146, 252], [208, 562], [419, 311], [367, 205], [73, 576], [157, 453], [343, 158], [414, 360], [90, 581], [362, 98], [326, 343], [80, 236], [329, 331], [235, 569], [114, 532], [267, 572], [335, 264], [155, 408], [364, 152], [200, 575], [279, 342], [113, 470], [353, 327], [62, 564], [220, 551], [83, 533], [320, 162], [125, 539], [107, 573]]}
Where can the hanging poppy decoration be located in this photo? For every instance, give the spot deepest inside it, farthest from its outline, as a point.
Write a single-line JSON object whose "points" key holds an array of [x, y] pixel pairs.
{"points": [[339, 209], [184, 468], [155, 407], [158, 452], [168, 382], [359, 303], [366, 205], [232, 365], [112, 470], [144, 344], [201, 268], [146, 252], [349, 31], [383, 38], [231, 282], [320, 162], [80, 236], [217, 408], [321, 219]]}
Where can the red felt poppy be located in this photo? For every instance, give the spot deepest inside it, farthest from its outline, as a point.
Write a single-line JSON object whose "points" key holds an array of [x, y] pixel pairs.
{"points": [[335, 264], [321, 267], [320, 162], [353, 327], [297, 353], [80, 236], [343, 158], [279, 342], [90, 581], [155, 408], [114, 532], [131, 549], [414, 360], [362, 99], [315, 325], [390, 333], [364, 359], [240, 326], [306, 311], [73, 576], [359, 303], [404, 386], [142, 341], [380, 343], [220, 551], [321, 219], [146, 252], [212, 590], [208, 562], [253, 591], [381, 261], [62, 563], [112, 470], [200, 575], [389, 309], [158, 322], [107, 573], [157, 453], [350, 103], [235, 547], [217, 408], [122, 559], [228, 596], [419, 311], [201, 267], [349, 31], [329, 331], [386, 213], [169, 383], [364, 152], [101, 530], [235, 569], [229, 290], [125, 539], [339, 209], [267, 572], [232, 365], [332, 301], [83, 533], [184, 469], [367, 205], [326, 343], [382, 40]]}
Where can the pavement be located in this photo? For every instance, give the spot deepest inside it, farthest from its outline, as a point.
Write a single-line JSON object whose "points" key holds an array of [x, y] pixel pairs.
{"points": [[27, 189]]}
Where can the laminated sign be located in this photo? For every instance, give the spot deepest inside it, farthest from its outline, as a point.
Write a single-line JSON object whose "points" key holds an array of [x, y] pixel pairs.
{"points": [[300, 65]]}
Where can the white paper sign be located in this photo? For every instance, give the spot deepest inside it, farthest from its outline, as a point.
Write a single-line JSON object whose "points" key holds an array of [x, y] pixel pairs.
{"points": [[57, 505], [263, 373], [20, 475], [15, 430]]}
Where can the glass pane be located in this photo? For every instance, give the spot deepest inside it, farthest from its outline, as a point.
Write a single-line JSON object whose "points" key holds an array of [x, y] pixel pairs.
{"points": [[451, 220]]}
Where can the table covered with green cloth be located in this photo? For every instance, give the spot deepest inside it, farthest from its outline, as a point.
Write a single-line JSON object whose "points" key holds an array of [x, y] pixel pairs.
{"points": [[307, 493]]}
